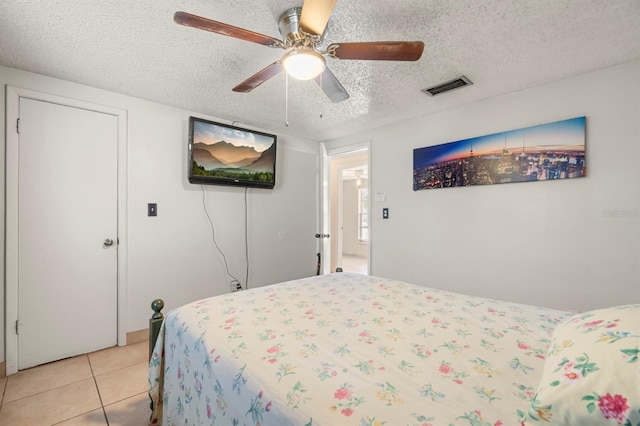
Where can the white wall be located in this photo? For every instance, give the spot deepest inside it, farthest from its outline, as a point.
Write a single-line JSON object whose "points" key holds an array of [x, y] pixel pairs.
{"points": [[171, 256], [571, 244]]}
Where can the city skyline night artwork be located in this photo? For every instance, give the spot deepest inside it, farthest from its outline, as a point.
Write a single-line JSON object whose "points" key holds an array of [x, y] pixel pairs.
{"points": [[544, 152]]}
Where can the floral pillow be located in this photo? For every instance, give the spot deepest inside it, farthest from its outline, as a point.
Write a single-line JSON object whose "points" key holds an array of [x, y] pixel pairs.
{"points": [[592, 373]]}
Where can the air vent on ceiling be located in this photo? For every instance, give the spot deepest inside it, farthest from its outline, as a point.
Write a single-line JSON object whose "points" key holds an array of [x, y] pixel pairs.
{"points": [[456, 83]]}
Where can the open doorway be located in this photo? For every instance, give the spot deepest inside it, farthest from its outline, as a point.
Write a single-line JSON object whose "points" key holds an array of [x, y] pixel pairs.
{"points": [[349, 210]]}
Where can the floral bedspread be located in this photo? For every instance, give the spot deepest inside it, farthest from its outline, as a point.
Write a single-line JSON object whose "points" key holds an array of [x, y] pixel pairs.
{"points": [[348, 349]]}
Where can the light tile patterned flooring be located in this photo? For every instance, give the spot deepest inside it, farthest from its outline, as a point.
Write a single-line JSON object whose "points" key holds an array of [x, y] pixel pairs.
{"points": [[107, 387], [354, 264]]}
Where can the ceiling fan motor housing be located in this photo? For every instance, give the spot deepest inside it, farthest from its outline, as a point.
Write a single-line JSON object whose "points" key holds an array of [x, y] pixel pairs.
{"points": [[292, 34]]}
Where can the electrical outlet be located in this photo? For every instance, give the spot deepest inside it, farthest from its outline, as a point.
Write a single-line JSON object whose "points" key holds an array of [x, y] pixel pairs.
{"points": [[385, 213]]}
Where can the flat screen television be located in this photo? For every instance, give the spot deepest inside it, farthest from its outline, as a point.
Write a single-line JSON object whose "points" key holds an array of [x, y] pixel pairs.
{"points": [[222, 154]]}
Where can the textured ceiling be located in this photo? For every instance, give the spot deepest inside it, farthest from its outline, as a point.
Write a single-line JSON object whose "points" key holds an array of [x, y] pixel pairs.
{"points": [[135, 48]]}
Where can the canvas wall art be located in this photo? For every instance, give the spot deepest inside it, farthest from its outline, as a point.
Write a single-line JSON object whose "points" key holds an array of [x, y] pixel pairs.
{"points": [[544, 152]]}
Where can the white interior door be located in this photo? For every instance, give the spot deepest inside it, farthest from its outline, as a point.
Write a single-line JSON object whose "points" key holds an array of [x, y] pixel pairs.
{"points": [[324, 245], [67, 216]]}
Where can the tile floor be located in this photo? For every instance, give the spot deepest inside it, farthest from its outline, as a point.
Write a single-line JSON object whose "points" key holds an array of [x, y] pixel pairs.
{"points": [[107, 387], [354, 264]]}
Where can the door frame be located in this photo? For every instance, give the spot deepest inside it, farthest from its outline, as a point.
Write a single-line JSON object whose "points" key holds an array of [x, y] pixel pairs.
{"points": [[330, 154], [338, 250], [11, 204]]}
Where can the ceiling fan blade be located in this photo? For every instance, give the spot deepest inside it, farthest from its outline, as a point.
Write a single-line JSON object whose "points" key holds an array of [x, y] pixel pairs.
{"points": [[378, 50], [189, 20], [315, 15], [331, 86], [258, 78]]}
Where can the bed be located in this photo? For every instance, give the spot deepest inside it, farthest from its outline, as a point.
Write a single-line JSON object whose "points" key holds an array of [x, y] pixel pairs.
{"points": [[349, 349]]}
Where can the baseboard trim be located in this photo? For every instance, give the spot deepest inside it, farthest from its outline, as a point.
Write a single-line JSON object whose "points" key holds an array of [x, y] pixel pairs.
{"points": [[3, 369], [138, 336]]}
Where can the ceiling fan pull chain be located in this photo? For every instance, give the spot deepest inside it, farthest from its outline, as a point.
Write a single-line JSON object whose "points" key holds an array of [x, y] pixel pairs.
{"points": [[321, 87], [286, 99]]}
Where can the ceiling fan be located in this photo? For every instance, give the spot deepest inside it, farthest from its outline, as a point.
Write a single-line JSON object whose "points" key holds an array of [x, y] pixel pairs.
{"points": [[303, 29]]}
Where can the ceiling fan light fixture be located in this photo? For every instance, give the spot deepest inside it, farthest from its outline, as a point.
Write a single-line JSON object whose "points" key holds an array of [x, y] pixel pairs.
{"points": [[303, 63]]}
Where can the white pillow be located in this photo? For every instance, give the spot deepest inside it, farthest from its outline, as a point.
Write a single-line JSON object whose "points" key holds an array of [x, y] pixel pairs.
{"points": [[592, 372]]}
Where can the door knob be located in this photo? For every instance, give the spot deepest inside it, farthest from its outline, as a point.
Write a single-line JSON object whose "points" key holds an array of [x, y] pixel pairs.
{"points": [[108, 242]]}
